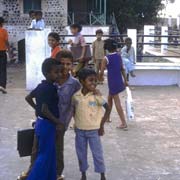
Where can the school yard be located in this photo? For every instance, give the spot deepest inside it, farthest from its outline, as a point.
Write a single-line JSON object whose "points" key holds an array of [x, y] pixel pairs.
{"points": [[149, 150]]}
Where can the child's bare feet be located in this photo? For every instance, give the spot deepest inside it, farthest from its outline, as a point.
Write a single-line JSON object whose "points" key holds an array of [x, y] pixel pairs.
{"points": [[122, 126], [109, 120], [132, 74]]}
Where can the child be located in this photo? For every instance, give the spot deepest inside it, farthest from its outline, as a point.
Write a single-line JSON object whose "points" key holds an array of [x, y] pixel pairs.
{"points": [[115, 69], [53, 41], [4, 46], [78, 41], [98, 52], [128, 56], [67, 86], [38, 23], [89, 122], [46, 108]]}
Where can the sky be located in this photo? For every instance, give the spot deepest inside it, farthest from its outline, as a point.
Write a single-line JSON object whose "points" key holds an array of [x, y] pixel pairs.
{"points": [[173, 9]]}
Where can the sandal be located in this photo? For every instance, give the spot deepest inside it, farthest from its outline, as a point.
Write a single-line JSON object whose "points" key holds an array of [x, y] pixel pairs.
{"points": [[123, 127], [23, 176], [60, 177]]}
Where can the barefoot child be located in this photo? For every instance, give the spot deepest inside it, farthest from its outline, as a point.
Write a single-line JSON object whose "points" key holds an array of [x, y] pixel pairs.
{"points": [[128, 56], [98, 52], [116, 84], [53, 41], [67, 86], [78, 41], [89, 122], [46, 107]]}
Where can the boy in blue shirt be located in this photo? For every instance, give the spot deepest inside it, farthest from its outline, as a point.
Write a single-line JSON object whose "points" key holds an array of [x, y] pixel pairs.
{"points": [[47, 112]]}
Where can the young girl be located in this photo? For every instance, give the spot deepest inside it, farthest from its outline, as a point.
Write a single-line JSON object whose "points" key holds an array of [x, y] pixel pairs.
{"points": [[116, 84], [78, 41], [53, 41], [128, 56]]}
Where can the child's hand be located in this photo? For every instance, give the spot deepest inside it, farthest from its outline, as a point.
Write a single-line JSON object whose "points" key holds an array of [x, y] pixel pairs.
{"points": [[70, 41], [81, 59], [97, 92], [101, 131]]}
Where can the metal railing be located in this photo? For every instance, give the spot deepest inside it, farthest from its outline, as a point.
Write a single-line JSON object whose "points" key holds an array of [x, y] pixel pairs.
{"points": [[87, 18], [140, 43]]}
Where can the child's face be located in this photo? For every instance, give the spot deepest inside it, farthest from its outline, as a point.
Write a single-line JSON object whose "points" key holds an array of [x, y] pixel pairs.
{"points": [[67, 65], [32, 15], [90, 83], [52, 42], [38, 16], [60, 72], [74, 31], [128, 44], [99, 36], [53, 74]]}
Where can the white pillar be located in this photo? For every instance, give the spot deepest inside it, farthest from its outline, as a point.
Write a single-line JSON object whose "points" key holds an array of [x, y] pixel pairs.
{"points": [[148, 30], [178, 22], [132, 33], [37, 50], [164, 32], [170, 21]]}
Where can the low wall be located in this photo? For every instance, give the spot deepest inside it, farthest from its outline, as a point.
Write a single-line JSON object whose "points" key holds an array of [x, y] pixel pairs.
{"points": [[156, 74]]}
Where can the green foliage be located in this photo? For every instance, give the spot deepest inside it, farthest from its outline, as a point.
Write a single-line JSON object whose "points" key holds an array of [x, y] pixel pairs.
{"points": [[134, 13]]}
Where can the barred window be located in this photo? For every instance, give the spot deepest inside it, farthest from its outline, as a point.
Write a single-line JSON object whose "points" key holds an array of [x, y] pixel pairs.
{"points": [[29, 5]]}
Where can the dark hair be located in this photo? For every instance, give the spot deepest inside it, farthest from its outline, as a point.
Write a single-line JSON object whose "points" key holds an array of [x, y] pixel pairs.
{"points": [[78, 26], [48, 64], [39, 13], [110, 45], [1, 20], [65, 54], [54, 35], [85, 72], [31, 12], [128, 39], [99, 31]]}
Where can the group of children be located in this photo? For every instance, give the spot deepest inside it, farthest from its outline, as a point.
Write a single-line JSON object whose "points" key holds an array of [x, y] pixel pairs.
{"points": [[60, 97]]}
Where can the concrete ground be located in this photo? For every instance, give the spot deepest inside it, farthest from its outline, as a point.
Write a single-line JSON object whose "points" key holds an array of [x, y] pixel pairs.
{"points": [[149, 150]]}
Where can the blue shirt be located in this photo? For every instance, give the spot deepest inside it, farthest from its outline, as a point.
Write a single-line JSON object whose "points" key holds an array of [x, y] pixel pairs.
{"points": [[65, 93], [46, 93], [40, 24]]}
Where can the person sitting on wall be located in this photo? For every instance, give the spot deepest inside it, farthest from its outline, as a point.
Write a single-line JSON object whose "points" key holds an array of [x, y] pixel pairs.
{"points": [[38, 23], [128, 57]]}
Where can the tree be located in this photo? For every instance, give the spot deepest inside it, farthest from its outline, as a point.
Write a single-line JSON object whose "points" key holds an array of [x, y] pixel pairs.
{"points": [[134, 13]]}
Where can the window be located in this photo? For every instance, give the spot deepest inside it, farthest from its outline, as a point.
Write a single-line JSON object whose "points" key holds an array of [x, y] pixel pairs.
{"points": [[29, 5]]}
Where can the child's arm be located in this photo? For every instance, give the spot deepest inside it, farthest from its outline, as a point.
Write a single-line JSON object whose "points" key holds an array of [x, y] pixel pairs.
{"points": [[30, 101], [93, 55], [45, 111], [124, 76], [104, 119], [103, 67]]}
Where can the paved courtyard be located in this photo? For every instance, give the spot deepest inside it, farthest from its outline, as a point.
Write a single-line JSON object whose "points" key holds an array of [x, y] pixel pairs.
{"points": [[149, 150]]}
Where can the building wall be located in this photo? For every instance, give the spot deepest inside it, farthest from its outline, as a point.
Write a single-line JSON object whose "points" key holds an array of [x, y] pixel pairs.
{"points": [[54, 12]]}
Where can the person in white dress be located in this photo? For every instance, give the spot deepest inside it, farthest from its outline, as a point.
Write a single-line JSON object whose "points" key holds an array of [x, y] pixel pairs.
{"points": [[128, 57]]}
